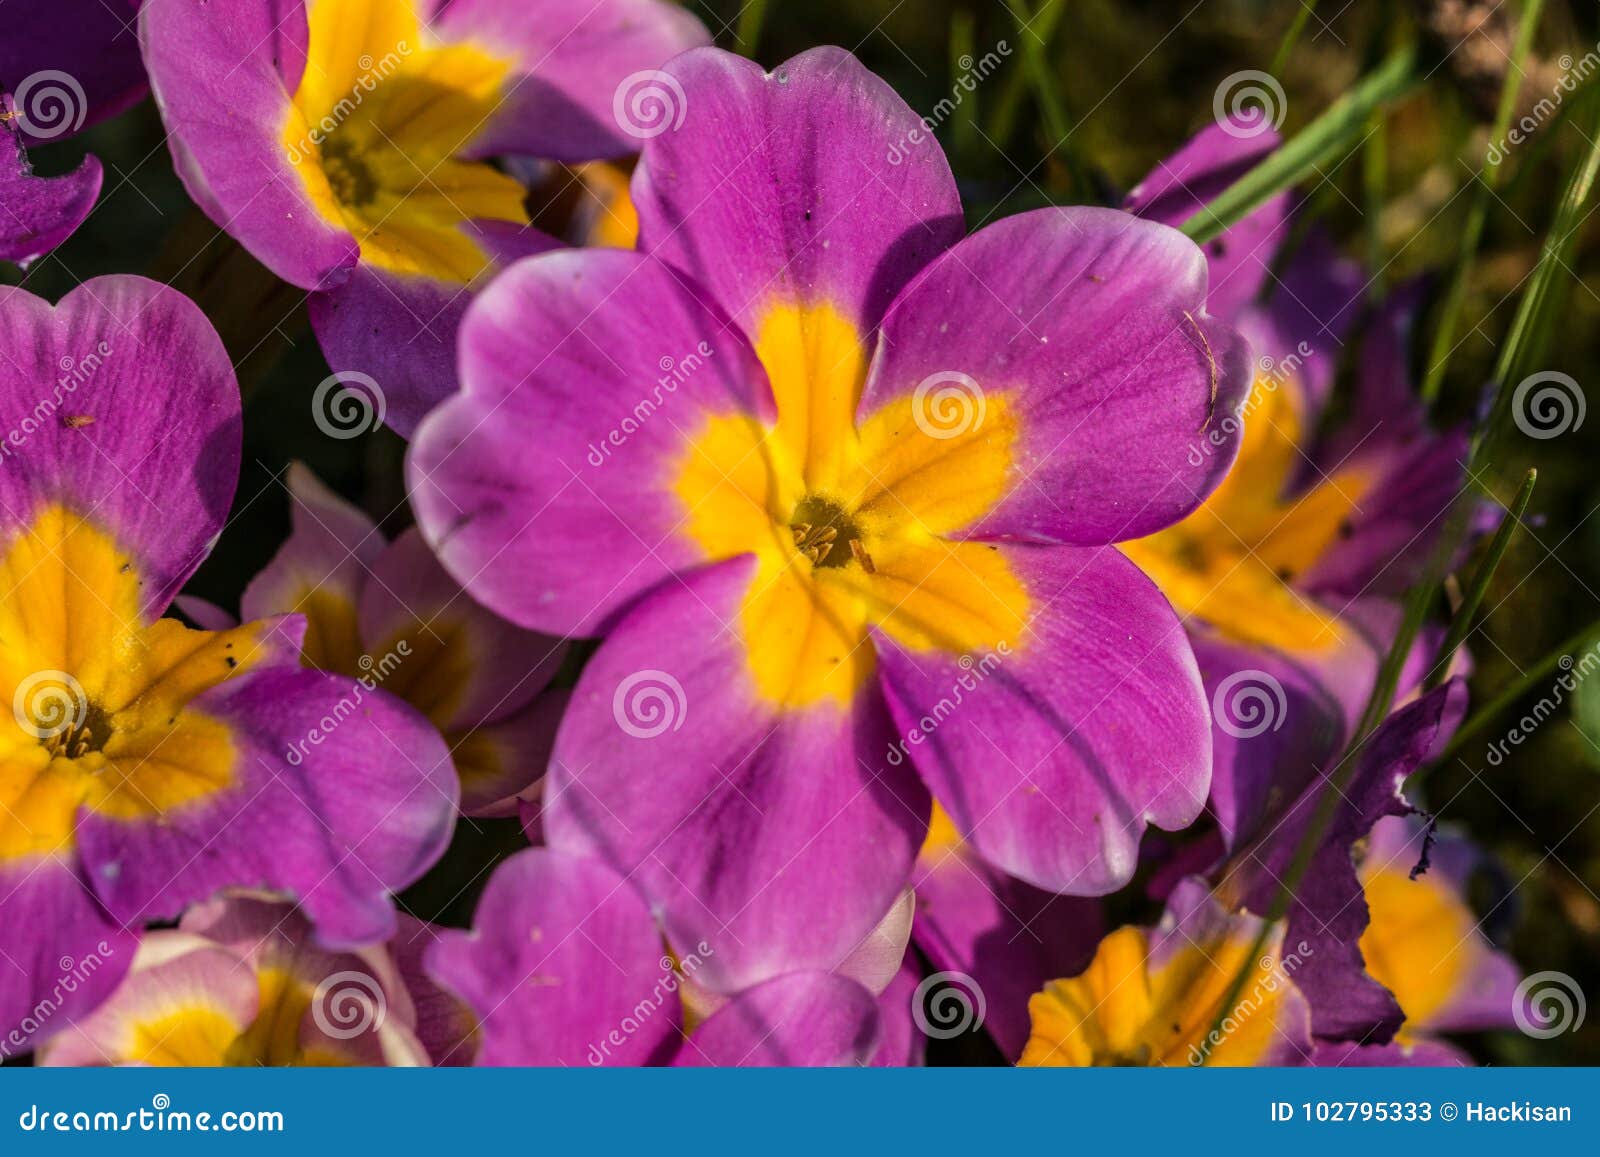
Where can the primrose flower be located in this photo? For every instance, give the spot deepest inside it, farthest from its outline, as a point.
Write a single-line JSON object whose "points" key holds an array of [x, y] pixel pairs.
{"points": [[565, 966], [389, 614], [241, 981], [1157, 997], [345, 144], [38, 213], [74, 63], [144, 765], [839, 487]]}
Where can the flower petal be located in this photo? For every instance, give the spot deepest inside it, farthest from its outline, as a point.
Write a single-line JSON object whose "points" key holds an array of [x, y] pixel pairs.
{"points": [[1098, 353], [1053, 753], [38, 213], [803, 1019], [756, 830]]}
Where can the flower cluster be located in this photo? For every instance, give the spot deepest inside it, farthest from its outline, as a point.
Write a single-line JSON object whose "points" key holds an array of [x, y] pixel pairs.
{"points": [[791, 599]]}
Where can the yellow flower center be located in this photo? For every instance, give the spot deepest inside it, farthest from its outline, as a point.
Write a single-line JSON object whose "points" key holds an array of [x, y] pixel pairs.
{"points": [[99, 698], [1418, 943], [200, 1035], [853, 525], [375, 130], [1232, 562]]}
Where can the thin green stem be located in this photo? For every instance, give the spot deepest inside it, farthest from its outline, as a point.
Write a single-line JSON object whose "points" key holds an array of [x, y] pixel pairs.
{"points": [[1046, 94], [964, 121], [1296, 27], [1014, 88], [1461, 624], [1336, 129], [752, 18], [1489, 179]]}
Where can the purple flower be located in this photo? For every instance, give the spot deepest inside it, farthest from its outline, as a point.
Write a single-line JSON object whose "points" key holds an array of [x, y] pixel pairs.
{"points": [[344, 143], [38, 213], [840, 488], [242, 981], [565, 966], [388, 614], [71, 63], [145, 765]]}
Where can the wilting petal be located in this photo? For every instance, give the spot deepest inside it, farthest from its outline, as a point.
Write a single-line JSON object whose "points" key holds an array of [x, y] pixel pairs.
{"points": [[38, 213], [1329, 913], [1095, 360], [1053, 754], [618, 368], [764, 833], [803, 1019], [122, 405], [338, 795], [563, 966], [570, 58], [1181, 186], [779, 188]]}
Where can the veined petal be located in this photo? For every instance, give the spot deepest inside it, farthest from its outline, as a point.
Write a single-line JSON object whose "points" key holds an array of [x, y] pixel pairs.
{"points": [[38, 213], [803, 1019]]}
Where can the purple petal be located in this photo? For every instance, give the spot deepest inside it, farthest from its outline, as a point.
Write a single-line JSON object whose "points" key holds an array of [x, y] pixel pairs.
{"points": [[94, 42], [803, 1019], [38, 213], [1070, 741], [1099, 352], [563, 966], [141, 433], [761, 832]]}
